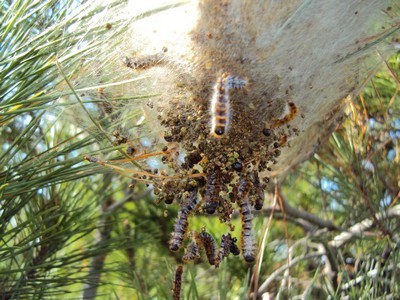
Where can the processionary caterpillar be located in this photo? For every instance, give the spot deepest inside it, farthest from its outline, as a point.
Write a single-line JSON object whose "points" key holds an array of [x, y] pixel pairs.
{"points": [[248, 242], [211, 192], [177, 284], [182, 221], [220, 103], [209, 245]]}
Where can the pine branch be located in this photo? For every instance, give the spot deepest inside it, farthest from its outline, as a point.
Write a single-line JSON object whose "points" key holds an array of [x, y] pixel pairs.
{"points": [[359, 229], [307, 220]]}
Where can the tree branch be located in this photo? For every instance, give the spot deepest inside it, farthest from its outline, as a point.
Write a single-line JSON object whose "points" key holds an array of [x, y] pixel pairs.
{"points": [[308, 222], [359, 228], [301, 216]]}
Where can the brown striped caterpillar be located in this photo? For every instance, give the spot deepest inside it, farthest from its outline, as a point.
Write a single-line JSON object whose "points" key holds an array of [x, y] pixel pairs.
{"points": [[289, 115], [209, 245], [220, 106], [182, 223], [192, 252], [248, 242], [177, 284], [211, 192]]}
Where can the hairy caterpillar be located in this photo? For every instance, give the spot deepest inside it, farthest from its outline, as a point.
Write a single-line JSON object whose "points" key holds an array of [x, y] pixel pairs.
{"points": [[211, 192], [177, 284], [220, 106], [209, 245], [248, 242], [145, 61], [182, 221]]}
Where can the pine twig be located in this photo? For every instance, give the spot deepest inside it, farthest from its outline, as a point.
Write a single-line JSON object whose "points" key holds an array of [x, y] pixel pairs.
{"points": [[359, 228]]}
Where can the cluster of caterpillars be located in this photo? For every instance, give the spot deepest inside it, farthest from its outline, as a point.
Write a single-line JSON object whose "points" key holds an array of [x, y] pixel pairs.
{"points": [[244, 186], [214, 256], [204, 240], [230, 150], [227, 179], [247, 193], [239, 182]]}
